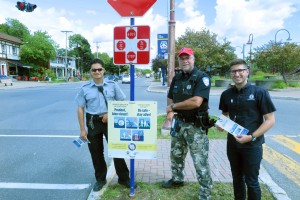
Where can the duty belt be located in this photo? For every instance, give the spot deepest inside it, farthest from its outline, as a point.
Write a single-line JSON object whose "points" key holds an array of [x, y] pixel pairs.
{"points": [[185, 119], [92, 118]]}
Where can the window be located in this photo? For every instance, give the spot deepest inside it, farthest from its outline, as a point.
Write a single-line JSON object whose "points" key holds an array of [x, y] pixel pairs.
{"points": [[14, 50], [3, 47]]}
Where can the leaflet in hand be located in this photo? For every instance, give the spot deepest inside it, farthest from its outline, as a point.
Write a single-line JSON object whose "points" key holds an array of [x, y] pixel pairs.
{"points": [[230, 126]]}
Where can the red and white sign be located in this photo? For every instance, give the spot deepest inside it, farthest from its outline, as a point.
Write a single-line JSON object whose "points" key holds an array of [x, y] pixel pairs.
{"points": [[131, 45], [131, 8]]}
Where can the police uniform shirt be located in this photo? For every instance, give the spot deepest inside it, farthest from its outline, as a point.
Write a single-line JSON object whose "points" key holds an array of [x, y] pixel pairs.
{"points": [[247, 107], [90, 98], [181, 88]]}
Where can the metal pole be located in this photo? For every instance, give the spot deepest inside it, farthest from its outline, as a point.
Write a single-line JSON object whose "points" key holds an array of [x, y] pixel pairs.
{"points": [[289, 38], [97, 47], [66, 59], [132, 193], [244, 51], [250, 40]]}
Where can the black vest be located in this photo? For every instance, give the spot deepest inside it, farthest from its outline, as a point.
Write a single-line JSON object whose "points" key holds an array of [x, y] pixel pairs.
{"points": [[184, 89]]}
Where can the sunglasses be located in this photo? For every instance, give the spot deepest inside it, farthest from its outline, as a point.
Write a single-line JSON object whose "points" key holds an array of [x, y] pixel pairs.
{"points": [[97, 69]]}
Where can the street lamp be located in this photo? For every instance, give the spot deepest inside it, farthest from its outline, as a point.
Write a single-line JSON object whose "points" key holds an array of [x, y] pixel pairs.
{"points": [[288, 39], [250, 40], [66, 51], [243, 50], [97, 47]]}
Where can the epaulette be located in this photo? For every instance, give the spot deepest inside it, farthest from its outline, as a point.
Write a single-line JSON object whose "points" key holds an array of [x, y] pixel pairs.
{"points": [[87, 83], [110, 81]]}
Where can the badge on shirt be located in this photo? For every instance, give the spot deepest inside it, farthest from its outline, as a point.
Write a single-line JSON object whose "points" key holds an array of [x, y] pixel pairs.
{"points": [[205, 81]]}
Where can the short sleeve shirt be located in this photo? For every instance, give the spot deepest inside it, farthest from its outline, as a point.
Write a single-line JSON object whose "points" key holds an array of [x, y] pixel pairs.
{"points": [[247, 107], [93, 101], [182, 88]]}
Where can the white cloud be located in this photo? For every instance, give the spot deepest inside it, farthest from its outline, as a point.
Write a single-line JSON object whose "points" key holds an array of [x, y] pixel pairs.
{"points": [[236, 19]]}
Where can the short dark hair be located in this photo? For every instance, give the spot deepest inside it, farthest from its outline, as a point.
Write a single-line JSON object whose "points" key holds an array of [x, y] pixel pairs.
{"points": [[238, 62], [97, 60]]}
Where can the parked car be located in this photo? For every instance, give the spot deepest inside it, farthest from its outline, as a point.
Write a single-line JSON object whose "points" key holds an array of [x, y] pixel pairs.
{"points": [[126, 79]]}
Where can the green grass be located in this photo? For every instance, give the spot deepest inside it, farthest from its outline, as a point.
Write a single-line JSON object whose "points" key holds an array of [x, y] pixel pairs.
{"points": [[154, 191]]}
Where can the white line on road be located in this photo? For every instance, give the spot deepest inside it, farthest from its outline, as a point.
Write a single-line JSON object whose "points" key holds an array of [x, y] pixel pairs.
{"points": [[41, 136], [43, 186]]}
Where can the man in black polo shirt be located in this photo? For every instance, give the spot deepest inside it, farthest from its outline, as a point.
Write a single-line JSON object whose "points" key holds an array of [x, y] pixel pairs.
{"points": [[251, 107]]}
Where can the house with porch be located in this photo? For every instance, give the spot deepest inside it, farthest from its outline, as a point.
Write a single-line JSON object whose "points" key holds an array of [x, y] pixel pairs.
{"points": [[10, 64]]}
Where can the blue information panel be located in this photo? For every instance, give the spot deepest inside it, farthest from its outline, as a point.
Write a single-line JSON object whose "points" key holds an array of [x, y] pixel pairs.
{"points": [[162, 46]]}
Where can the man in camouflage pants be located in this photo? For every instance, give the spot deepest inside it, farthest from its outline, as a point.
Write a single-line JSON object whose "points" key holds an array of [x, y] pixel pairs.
{"points": [[189, 94]]}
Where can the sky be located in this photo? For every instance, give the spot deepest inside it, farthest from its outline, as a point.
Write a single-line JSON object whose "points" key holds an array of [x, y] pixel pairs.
{"points": [[236, 21]]}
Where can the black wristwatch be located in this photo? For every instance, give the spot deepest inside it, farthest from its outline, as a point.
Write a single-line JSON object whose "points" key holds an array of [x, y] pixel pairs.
{"points": [[172, 106], [253, 138]]}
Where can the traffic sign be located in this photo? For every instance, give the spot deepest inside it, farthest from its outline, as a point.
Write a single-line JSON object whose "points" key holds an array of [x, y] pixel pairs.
{"points": [[131, 45], [121, 45], [131, 8], [162, 46]]}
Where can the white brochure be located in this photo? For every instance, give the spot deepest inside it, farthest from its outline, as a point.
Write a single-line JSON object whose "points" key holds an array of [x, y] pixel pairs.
{"points": [[230, 126]]}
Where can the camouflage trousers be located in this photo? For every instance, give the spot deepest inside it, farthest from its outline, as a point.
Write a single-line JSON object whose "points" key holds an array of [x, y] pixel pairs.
{"points": [[192, 138]]}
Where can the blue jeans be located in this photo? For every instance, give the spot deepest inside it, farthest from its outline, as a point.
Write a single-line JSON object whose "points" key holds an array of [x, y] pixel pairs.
{"points": [[245, 165]]}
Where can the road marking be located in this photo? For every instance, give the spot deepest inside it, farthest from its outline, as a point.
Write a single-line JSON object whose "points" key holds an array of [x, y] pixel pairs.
{"points": [[42, 136], [44, 186], [288, 143], [284, 164]]}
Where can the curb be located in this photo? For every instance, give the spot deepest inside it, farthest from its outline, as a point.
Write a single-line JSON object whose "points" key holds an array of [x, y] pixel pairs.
{"points": [[277, 191], [109, 176]]}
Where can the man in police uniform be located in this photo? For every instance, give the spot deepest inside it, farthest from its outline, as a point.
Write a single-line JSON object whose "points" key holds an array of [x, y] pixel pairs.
{"points": [[251, 107], [92, 100], [189, 92]]}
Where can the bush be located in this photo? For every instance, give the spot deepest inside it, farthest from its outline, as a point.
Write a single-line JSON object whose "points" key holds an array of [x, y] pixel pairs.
{"points": [[294, 84], [279, 85]]}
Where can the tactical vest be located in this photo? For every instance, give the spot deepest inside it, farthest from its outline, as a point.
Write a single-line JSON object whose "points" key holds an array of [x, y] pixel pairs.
{"points": [[184, 89]]}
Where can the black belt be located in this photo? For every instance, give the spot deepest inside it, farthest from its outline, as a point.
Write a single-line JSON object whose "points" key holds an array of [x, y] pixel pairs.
{"points": [[95, 117], [186, 119]]}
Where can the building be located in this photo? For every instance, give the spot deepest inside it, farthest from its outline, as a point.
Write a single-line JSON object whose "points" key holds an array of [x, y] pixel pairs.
{"points": [[60, 69], [10, 64]]}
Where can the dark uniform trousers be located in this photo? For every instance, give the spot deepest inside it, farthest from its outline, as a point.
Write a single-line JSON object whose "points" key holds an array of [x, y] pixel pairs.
{"points": [[245, 165], [95, 136]]}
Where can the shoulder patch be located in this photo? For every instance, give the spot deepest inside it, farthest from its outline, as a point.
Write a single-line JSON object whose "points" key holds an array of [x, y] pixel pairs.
{"points": [[205, 81]]}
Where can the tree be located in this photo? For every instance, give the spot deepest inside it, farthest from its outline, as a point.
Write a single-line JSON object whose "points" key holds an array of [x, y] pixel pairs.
{"points": [[208, 51], [15, 28], [277, 58], [80, 48], [37, 50]]}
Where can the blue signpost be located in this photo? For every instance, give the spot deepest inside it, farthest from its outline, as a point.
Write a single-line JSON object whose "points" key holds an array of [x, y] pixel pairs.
{"points": [[162, 46], [162, 52]]}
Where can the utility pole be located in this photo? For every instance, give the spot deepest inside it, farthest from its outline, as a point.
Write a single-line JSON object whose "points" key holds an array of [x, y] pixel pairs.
{"points": [[97, 47], [171, 59], [66, 59]]}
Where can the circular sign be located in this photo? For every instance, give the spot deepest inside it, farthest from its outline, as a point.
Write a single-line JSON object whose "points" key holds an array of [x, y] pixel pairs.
{"points": [[121, 45], [131, 56], [142, 44], [131, 34]]}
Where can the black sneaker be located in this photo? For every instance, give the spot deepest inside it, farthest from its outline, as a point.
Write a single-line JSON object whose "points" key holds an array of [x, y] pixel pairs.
{"points": [[172, 184], [126, 183], [99, 185]]}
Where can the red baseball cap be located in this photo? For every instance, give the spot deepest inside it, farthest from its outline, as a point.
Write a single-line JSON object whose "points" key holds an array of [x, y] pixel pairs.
{"points": [[185, 50]]}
